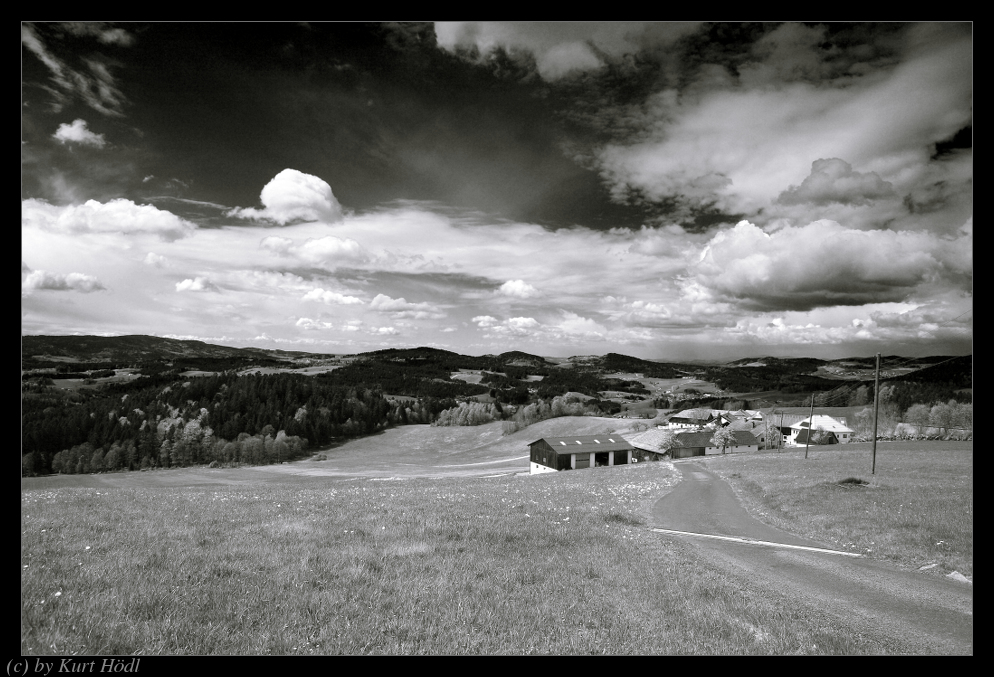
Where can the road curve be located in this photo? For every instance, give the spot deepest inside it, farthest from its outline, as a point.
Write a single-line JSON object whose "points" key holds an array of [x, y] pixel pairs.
{"points": [[907, 612]]}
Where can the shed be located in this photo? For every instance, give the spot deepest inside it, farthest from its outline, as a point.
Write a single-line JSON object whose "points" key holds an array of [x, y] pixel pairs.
{"points": [[699, 444], [647, 445], [550, 454], [690, 444]]}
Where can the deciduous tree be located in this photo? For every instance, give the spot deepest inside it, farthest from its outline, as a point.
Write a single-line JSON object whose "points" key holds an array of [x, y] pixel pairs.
{"points": [[723, 437], [918, 416]]}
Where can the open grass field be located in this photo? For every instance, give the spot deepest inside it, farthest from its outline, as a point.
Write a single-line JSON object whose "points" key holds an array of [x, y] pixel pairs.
{"points": [[121, 375], [915, 511], [657, 387], [306, 371], [556, 564]]}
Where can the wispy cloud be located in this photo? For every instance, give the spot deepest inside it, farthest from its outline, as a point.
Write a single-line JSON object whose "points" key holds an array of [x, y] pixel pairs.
{"points": [[94, 84]]}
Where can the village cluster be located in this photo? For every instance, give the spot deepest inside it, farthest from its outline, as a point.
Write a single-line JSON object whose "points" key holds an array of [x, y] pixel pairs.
{"points": [[683, 434]]}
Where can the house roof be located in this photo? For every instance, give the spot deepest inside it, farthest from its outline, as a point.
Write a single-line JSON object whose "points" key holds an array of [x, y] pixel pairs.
{"points": [[824, 422], [580, 444], [703, 414]]}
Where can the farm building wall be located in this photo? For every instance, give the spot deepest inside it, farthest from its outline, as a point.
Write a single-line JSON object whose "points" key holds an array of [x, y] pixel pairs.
{"points": [[543, 458], [738, 448]]}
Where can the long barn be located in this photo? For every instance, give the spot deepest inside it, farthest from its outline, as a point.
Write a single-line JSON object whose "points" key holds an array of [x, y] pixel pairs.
{"points": [[551, 454]]}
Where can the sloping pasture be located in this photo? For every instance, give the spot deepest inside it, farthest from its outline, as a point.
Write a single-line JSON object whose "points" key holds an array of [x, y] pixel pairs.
{"points": [[555, 564]]}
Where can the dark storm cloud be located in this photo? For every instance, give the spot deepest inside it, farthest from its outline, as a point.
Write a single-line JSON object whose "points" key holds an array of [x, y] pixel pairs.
{"points": [[568, 184], [378, 112]]}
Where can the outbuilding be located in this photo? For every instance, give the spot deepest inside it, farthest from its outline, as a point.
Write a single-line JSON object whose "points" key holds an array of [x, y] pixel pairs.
{"points": [[551, 454]]}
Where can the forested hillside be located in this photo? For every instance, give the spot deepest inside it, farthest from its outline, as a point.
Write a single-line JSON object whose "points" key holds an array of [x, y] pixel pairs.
{"points": [[157, 421], [153, 416]]}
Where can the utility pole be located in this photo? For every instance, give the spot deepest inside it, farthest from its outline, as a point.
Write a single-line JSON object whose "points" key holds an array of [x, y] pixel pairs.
{"points": [[811, 416], [780, 431], [876, 408]]}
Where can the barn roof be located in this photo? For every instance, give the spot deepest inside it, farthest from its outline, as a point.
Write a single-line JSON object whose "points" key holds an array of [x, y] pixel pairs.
{"points": [[579, 444], [649, 440]]}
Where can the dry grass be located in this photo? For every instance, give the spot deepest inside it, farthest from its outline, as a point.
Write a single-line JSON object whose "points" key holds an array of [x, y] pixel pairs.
{"points": [[915, 511], [555, 564]]}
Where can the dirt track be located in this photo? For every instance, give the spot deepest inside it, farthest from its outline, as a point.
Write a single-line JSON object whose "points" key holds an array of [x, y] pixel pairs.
{"points": [[906, 611]]}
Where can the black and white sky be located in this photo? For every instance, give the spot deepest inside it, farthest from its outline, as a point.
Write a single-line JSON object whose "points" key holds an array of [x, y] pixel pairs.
{"points": [[664, 190]]}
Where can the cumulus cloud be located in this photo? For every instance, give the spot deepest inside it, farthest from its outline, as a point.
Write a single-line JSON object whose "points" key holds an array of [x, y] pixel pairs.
{"points": [[154, 260], [276, 244], [309, 324], [328, 250], [294, 196], [523, 323], [834, 180], [576, 324], [568, 329], [515, 326], [115, 216], [518, 289], [331, 297], [824, 264], [78, 133], [401, 308], [736, 146], [44, 280], [196, 284]]}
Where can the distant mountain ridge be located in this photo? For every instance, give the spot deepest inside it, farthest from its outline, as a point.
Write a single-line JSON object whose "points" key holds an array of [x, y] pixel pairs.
{"points": [[136, 348]]}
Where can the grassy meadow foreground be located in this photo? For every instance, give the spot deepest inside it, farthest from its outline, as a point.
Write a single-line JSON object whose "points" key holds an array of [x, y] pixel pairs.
{"points": [[557, 564], [915, 511]]}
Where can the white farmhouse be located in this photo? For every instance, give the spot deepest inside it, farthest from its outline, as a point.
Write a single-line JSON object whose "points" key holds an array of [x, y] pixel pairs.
{"points": [[839, 432]]}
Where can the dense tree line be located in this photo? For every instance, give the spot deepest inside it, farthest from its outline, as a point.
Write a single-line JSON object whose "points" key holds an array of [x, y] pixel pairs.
{"points": [[546, 409], [944, 419], [470, 413], [414, 377], [906, 393], [194, 421], [575, 379], [613, 362], [786, 378]]}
